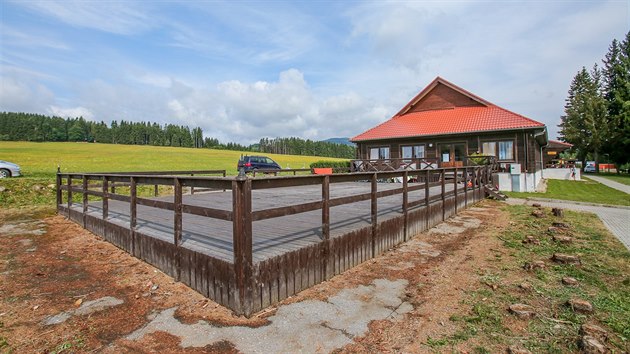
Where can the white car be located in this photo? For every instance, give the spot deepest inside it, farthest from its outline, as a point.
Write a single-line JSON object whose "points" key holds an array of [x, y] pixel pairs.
{"points": [[8, 169], [590, 168]]}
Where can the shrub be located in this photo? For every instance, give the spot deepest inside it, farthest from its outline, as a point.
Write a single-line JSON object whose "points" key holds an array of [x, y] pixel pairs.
{"points": [[330, 164]]}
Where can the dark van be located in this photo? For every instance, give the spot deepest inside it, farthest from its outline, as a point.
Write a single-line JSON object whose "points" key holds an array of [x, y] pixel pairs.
{"points": [[251, 163]]}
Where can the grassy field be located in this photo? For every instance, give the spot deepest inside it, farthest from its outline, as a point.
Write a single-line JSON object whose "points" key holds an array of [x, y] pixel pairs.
{"points": [[581, 191], [621, 178], [39, 162], [42, 159]]}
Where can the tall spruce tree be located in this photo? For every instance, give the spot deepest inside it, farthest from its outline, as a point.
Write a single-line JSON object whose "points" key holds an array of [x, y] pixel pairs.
{"points": [[617, 86], [585, 123]]}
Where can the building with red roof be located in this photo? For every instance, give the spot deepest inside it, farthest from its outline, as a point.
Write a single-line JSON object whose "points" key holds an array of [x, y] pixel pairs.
{"points": [[444, 124]]}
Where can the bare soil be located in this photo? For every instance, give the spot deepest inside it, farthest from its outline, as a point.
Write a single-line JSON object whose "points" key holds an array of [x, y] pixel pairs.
{"points": [[45, 273]]}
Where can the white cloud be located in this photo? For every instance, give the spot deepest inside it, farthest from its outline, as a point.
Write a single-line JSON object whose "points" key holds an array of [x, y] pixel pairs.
{"points": [[20, 94], [245, 112], [73, 112]]}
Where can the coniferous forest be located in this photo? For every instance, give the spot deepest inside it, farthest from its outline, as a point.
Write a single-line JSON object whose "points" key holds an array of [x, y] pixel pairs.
{"points": [[40, 128]]}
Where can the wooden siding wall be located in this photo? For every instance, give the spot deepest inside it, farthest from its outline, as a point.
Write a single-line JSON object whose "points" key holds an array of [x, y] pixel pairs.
{"points": [[247, 287], [473, 144], [443, 97]]}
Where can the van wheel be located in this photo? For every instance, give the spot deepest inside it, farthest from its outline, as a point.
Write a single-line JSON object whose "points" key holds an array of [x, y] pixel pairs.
{"points": [[4, 173]]}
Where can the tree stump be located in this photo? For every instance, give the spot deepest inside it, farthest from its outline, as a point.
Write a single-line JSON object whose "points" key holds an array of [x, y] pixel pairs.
{"points": [[559, 212], [561, 225], [522, 310], [538, 213], [594, 331], [591, 345], [580, 305], [565, 258]]}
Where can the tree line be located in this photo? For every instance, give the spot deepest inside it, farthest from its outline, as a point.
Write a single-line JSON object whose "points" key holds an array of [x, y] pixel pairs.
{"points": [[39, 128], [597, 109], [297, 146]]}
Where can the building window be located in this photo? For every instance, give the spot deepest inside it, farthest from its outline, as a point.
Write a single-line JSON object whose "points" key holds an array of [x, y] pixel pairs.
{"points": [[379, 153], [504, 150], [412, 152], [489, 149]]}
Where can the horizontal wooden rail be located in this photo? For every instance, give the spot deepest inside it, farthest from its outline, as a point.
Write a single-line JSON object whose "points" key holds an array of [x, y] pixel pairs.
{"points": [[284, 211]]}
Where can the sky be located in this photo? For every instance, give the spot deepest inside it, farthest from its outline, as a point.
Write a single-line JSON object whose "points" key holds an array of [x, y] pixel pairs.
{"points": [[245, 70]]}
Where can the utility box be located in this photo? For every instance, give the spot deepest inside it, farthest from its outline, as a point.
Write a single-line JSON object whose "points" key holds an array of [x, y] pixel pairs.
{"points": [[515, 169], [515, 172]]}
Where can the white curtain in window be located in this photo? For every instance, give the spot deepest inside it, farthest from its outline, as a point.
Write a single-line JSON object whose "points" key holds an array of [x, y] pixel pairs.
{"points": [[407, 152], [506, 151], [489, 149], [384, 153], [419, 151], [374, 154]]}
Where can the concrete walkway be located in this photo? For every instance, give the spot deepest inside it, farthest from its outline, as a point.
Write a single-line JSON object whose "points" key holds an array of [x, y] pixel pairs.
{"points": [[616, 219], [610, 183]]}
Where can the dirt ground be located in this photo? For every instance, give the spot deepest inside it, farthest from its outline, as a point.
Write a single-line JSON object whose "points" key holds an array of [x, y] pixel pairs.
{"points": [[51, 267]]}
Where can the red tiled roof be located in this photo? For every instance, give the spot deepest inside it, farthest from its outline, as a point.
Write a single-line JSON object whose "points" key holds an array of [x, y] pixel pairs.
{"points": [[448, 121], [455, 120], [562, 143]]}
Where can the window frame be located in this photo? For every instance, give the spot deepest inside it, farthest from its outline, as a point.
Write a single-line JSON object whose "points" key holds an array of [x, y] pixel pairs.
{"points": [[414, 151], [380, 150], [496, 143]]}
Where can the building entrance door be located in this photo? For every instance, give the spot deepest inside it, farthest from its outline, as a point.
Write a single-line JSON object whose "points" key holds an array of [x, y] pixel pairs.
{"points": [[452, 154]]}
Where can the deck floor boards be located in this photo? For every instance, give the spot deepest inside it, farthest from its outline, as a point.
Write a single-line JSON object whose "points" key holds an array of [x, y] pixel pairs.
{"points": [[271, 237]]}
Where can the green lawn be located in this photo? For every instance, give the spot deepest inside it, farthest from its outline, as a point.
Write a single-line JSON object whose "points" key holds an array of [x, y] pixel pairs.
{"points": [[39, 162], [41, 159], [621, 178], [581, 191]]}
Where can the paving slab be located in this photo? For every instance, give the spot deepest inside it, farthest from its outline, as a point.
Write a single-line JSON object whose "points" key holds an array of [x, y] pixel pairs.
{"points": [[610, 183]]}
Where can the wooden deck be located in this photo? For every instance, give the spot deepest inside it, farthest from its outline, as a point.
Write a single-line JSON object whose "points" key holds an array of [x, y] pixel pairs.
{"points": [[271, 237], [250, 243]]}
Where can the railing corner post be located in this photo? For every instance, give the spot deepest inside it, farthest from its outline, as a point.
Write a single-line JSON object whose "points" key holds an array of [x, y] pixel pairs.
{"points": [[374, 211], [242, 241]]}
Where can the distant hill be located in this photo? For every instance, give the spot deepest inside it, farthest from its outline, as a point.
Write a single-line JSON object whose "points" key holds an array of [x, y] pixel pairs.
{"points": [[344, 141]]}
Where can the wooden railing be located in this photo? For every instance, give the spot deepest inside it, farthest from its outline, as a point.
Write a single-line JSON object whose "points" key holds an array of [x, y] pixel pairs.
{"points": [[369, 165], [243, 216]]}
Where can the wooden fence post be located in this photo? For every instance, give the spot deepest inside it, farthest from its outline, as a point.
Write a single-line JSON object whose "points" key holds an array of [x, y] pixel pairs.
{"points": [[69, 181], [466, 187], [326, 229], [374, 213], [192, 189], [105, 198], [456, 180], [58, 189], [242, 239], [177, 225], [443, 185], [426, 191], [133, 209], [326, 207], [84, 187], [405, 202]]}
